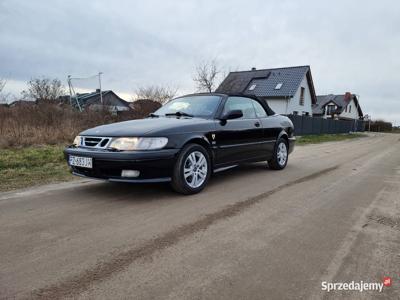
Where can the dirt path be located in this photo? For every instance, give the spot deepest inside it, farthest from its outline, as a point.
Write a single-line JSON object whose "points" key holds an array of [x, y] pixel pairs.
{"points": [[331, 215]]}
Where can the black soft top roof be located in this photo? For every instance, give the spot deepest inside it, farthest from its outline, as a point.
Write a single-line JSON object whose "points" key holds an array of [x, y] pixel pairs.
{"points": [[264, 103]]}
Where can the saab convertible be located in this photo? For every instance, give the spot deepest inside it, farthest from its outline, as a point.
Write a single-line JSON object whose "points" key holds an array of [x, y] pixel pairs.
{"points": [[184, 142]]}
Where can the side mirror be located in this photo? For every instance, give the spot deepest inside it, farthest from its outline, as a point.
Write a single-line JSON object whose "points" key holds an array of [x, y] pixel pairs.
{"points": [[233, 114], [230, 115]]}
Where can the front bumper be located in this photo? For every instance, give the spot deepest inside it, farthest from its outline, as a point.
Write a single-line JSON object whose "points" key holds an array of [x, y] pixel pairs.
{"points": [[154, 166]]}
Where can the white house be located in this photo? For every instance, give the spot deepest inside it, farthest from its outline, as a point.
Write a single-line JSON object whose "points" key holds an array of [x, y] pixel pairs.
{"points": [[287, 90], [344, 107]]}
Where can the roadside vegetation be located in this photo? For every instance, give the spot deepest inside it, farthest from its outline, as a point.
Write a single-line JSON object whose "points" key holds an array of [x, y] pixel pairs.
{"points": [[321, 138], [25, 167], [50, 123]]}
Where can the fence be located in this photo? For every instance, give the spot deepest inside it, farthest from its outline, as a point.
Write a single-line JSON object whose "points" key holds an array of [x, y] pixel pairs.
{"points": [[305, 125]]}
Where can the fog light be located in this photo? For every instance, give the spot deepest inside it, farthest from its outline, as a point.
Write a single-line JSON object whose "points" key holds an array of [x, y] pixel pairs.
{"points": [[130, 173]]}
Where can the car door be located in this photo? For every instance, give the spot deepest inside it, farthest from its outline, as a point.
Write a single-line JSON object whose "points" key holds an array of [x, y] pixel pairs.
{"points": [[239, 139], [270, 129]]}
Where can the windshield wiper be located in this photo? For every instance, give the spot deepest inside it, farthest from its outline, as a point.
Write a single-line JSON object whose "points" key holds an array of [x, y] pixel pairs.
{"points": [[179, 114], [153, 116]]}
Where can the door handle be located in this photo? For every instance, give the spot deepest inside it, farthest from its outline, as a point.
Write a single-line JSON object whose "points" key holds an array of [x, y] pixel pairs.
{"points": [[257, 124]]}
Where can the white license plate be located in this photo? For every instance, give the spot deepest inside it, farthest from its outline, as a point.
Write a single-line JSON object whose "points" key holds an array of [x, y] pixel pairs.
{"points": [[84, 162]]}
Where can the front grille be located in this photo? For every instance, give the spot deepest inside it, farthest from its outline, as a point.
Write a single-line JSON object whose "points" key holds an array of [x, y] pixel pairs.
{"points": [[95, 142]]}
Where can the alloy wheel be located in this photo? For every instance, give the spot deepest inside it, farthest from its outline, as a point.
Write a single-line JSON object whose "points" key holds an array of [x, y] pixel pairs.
{"points": [[195, 169], [282, 154]]}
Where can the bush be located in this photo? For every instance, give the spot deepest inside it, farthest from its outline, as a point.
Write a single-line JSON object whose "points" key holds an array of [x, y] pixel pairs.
{"points": [[48, 122], [380, 125]]}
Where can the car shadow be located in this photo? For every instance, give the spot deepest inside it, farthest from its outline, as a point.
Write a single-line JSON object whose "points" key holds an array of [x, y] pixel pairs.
{"points": [[144, 192], [240, 171], [120, 191]]}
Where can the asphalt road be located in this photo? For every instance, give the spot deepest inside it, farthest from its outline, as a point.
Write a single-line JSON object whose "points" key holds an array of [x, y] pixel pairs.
{"points": [[332, 215]]}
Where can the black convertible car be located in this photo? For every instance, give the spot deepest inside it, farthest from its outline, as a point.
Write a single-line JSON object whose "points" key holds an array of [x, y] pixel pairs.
{"points": [[184, 142]]}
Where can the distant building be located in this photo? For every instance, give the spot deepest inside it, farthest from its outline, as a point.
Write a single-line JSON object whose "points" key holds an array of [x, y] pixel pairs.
{"points": [[287, 90], [109, 101], [344, 106]]}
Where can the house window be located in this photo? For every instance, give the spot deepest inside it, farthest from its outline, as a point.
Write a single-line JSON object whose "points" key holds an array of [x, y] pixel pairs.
{"points": [[278, 86], [330, 109], [302, 96], [349, 108], [252, 87]]}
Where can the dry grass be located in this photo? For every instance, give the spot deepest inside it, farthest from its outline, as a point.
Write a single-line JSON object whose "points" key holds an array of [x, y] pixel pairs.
{"points": [[33, 136], [49, 123]]}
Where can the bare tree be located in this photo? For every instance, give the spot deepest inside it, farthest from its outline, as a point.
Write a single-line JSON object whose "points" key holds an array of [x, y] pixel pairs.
{"points": [[206, 76], [159, 94], [44, 89]]}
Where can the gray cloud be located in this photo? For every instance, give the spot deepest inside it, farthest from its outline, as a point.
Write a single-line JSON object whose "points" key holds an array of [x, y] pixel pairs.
{"points": [[350, 45]]}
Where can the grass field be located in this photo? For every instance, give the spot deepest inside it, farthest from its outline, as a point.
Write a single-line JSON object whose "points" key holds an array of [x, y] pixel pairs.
{"points": [[321, 138], [31, 166]]}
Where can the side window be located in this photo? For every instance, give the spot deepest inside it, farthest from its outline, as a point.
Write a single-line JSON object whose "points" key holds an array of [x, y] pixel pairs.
{"points": [[241, 103], [302, 90], [260, 111]]}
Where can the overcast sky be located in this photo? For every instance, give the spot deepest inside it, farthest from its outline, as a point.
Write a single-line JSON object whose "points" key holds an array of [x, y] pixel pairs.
{"points": [[350, 45]]}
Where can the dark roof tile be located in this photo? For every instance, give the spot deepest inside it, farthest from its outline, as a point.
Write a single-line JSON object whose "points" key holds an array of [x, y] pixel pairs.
{"points": [[265, 80], [339, 100]]}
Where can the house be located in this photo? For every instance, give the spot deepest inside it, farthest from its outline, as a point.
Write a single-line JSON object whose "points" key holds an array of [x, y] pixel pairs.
{"points": [[346, 107], [108, 101], [287, 90]]}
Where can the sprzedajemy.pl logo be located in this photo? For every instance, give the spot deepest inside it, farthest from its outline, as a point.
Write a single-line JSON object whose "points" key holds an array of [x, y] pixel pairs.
{"points": [[356, 286]]}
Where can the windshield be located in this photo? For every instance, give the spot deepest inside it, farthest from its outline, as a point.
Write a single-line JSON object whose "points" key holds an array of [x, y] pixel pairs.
{"points": [[196, 106]]}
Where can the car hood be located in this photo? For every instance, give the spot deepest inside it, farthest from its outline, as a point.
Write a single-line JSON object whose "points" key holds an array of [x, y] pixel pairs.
{"points": [[142, 127]]}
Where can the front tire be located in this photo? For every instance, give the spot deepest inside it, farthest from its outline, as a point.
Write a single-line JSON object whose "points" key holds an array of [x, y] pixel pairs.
{"points": [[281, 155], [192, 170]]}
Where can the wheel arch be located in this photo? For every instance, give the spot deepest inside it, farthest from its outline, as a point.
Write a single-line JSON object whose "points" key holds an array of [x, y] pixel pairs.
{"points": [[283, 134], [202, 141]]}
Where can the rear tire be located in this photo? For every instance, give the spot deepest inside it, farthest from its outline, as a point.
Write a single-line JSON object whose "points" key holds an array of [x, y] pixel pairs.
{"points": [[281, 155], [192, 170]]}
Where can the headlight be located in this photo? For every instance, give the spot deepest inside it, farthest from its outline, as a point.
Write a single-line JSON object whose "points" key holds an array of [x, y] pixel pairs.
{"points": [[77, 141], [135, 143]]}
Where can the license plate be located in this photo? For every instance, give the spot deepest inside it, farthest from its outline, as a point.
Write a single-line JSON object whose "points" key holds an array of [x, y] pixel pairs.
{"points": [[84, 162]]}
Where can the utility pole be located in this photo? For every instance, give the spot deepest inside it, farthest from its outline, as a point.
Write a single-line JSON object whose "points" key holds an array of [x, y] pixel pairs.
{"points": [[70, 92], [101, 93]]}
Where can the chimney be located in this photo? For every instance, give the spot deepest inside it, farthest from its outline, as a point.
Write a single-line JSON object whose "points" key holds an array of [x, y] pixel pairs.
{"points": [[253, 68], [347, 96], [97, 90]]}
